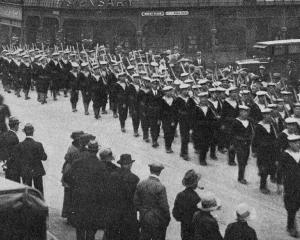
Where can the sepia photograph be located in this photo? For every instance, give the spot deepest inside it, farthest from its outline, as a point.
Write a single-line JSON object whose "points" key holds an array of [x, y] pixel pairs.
{"points": [[149, 119]]}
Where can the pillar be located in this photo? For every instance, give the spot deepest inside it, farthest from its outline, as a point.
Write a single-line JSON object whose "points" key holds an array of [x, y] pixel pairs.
{"points": [[213, 37], [283, 28], [10, 34]]}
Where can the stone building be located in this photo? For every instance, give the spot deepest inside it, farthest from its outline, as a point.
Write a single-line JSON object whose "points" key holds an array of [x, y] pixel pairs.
{"points": [[227, 27]]}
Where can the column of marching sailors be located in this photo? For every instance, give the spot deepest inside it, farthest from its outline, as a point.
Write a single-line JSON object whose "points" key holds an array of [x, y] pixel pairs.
{"points": [[229, 114]]}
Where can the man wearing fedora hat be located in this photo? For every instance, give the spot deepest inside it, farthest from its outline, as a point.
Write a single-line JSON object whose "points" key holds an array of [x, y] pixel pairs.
{"points": [[107, 157], [151, 201], [123, 222], [204, 224], [88, 179], [30, 155], [240, 229], [186, 204], [8, 141]]}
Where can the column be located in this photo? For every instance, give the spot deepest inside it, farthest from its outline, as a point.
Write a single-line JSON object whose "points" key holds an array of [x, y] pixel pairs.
{"points": [[283, 24], [213, 31], [10, 34]]}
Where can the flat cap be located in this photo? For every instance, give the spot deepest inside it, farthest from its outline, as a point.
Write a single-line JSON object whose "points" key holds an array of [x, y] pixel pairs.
{"points": [[156, 166]]}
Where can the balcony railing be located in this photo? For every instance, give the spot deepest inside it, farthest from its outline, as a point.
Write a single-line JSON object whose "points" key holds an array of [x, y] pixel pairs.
{"points": [[103, 4]]}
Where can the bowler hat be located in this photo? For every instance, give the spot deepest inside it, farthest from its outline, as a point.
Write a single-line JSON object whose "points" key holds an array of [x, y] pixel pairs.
{"points": [[245, 212], [106, 154], [28, 127], [190, 178], [13, 120], [125, 159], [93, 146], [209, 203], [85, 138], [156, 166], [76, 135]]}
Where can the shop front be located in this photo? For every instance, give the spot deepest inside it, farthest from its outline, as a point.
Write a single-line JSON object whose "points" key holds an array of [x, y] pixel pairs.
{"points": [[10, 23]]}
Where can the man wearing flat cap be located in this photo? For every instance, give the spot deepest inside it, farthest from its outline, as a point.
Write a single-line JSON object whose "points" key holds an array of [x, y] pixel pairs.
{"points": [[88, 179], [8, 141], [30, 155], [151, 201], [123, 222], [186, 204]]}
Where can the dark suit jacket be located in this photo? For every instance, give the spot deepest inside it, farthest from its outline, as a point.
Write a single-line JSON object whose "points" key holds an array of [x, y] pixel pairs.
{"points": [[239, 231], [30, 155], [88, 179], [205, 227], [151, 201], [8, 142], [185, 206]]}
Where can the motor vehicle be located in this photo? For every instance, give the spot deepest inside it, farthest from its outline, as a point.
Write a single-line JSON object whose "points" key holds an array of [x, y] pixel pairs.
{"points": [[273, 54], [23, 212]]}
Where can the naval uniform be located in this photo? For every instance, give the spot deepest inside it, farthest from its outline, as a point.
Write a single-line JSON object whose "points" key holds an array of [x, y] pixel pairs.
{"points": [[241, 135], [26, 70], [66, 67], [142, 97], [229, 113], [84, 79], [264, 145], [290, 166], [98, 94], [169, 118], [203, 121], [73, 84], [153, 104], [121, 89], [133, 91], [183, 116]]}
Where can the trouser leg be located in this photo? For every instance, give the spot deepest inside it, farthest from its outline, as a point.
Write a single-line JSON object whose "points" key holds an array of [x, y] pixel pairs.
{"points": [[231, 155], [80, 234], [263, 180], [90, 234], [27, 181], [291, 219], [154, 129], [202, 155], [38, 183]]}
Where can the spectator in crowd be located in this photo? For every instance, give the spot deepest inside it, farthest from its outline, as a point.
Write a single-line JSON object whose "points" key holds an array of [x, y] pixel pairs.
{"points": [[151, 201], [88, 179], [107, 157], [4, 114], [30, 155], [70, 156], [240, 230], [8, 142], [204, 224], [186, 204]]}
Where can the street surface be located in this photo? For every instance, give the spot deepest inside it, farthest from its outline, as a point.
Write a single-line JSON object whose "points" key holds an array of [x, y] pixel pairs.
{"points": [[54, 123]]}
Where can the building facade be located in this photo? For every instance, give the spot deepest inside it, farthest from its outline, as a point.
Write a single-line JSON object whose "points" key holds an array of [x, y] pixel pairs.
{"points": [[228, 28], [11, 22]]}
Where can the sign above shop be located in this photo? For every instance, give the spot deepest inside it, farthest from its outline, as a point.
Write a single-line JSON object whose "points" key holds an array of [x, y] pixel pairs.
{"points": [[167, 13], [177, 13], [153, 14]]}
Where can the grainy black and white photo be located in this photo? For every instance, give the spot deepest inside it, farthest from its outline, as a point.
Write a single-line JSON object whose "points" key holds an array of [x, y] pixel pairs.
{"points": [[149, 119]]}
